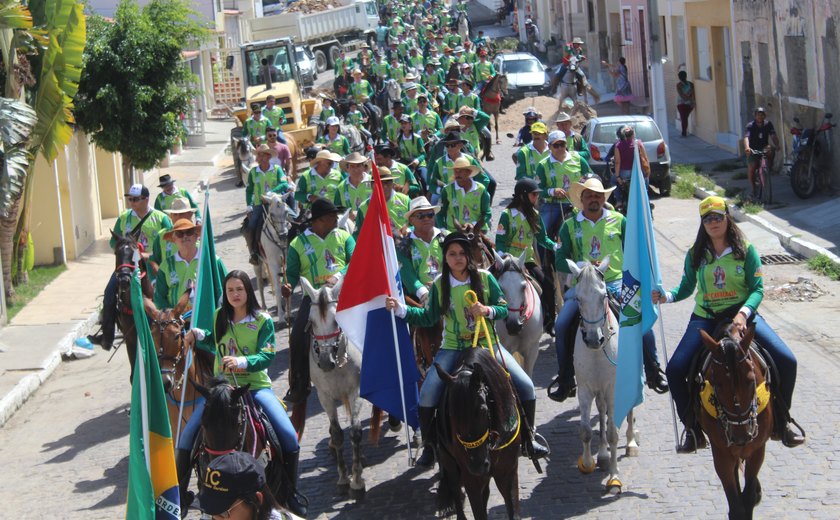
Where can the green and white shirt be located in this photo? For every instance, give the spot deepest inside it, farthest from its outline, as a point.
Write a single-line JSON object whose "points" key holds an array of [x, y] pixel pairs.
{"points": [[552, 174], [514, 235], [339, 145], [464, 206], [156, 222], [252, 339], [253, 128], [276, 116], [527, 159], [317, 259], [311, 183], [420, 261], [582, 240], [261, 182], [397, 208], [175, 277], [351, 196]]}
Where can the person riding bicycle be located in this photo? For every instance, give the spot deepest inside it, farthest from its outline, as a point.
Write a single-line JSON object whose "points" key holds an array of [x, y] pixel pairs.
{"points": [[757, 138], [727, 268], [447, 302]]}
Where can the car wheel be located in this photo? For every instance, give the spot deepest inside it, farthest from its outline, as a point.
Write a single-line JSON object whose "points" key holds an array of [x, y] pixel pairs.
{"points": [[665, 185]]}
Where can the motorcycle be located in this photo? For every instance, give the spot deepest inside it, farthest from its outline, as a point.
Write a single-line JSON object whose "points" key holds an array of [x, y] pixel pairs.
{"points": [[810, 168]]}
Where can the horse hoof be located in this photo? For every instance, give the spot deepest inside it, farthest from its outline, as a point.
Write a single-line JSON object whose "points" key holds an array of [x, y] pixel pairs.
{"points": [[343, 488], [358, 494], [632, 451], [613, 486], [584, 469]]}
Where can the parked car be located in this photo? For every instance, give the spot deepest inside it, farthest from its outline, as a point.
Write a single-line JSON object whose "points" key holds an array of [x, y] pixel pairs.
{"points": [[306, 62], [600, 133], [526, 75]]}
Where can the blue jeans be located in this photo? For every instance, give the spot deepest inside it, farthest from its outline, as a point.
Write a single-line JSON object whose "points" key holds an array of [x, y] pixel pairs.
{"points": [[266, 400], [566, 317], [680, 362], [448, 360], [553, 214]]}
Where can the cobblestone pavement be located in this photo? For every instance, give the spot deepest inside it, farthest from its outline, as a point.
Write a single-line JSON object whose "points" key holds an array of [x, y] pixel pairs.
{"points": [[64, 455]]}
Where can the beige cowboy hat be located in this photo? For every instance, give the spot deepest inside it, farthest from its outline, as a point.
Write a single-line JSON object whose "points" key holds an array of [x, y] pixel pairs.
{"points": [[419, 204], [264, 148], [462, 163], [410, 77], [562, 117], [325, 155], [181, 225], [179, 205], [353, 158], [591, 183], [466, 111], [385, 174]]}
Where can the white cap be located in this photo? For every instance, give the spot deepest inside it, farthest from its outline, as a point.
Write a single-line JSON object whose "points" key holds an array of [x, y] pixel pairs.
{"points": [[556, 135], [333, 120], [137, 190]]}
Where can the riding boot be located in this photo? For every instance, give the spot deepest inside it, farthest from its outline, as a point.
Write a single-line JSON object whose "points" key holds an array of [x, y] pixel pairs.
{"points": [[293, 500], [654, 376], [693, 439], [253, 246], [536, 446], [783, 429], [183, 466], [299, 386], [109, 324], [429, 435]]}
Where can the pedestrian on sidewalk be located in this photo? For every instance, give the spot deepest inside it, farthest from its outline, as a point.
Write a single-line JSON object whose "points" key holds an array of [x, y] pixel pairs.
{"points": [[685, 100], [623, 90]]}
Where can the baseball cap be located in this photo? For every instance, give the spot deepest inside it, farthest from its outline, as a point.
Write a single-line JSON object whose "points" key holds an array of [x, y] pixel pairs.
{"points": [[230, 477], [556, 135], [137, 190], [539, 127], [713, 204]]}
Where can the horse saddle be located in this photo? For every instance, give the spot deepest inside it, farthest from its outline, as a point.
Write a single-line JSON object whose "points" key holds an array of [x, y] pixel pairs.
{"points": [[263, 430]]}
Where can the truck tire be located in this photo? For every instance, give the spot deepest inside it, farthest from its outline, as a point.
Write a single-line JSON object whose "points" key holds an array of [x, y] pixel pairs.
{"points": [[320, 60], [334, 53]]}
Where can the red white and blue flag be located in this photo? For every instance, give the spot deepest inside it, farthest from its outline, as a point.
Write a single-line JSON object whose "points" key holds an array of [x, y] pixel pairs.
{"points": [[372, 275]]}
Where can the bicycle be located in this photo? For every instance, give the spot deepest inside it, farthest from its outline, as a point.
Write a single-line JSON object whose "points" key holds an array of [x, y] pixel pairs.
{"points": [[762, 183]]}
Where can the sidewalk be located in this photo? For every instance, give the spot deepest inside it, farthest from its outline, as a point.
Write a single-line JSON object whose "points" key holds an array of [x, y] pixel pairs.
{"points": [[67, 309]]}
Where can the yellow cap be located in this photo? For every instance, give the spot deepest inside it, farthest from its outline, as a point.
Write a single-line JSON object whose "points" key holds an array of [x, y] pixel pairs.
{"points": [[712, 204], [539, 127]]}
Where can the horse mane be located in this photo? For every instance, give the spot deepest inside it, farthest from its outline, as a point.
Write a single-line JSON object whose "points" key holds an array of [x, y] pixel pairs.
{"points": [[219, 399], [323, 303], [496, 380]]}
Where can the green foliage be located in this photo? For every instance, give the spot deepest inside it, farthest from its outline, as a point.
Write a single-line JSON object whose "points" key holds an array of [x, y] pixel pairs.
{"points": [[825, 266], [132, 88], [751, 208], [507, 44], [687, 178], [17, 120], [39, 278]]}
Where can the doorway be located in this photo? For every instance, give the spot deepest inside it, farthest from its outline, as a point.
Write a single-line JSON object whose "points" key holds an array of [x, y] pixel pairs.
{"points": [[643, 39]]}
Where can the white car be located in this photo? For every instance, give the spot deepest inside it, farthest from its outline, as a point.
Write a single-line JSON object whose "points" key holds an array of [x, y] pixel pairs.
{"points": [[526, 75]]}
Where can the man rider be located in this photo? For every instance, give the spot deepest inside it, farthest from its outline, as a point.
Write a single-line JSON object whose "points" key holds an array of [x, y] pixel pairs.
{"points": [[262, 178], [574, 142]]}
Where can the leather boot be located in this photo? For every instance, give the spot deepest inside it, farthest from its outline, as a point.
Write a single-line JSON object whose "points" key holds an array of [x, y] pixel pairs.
{"points": [[183, 463], [536, 446], [693, 440], [109, 324], [253, 256], [299, 385], [655, 377], [294, 501], [427, 432]]}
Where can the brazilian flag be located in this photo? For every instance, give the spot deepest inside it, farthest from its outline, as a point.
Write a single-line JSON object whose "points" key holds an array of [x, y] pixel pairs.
{"points": [[152, 477]]}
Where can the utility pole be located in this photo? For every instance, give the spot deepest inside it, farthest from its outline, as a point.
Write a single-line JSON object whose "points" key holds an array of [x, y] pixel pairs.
{"points": [[657, 81], [520, 21]]}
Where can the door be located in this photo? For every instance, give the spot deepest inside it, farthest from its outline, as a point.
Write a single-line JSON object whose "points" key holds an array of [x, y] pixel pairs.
{"points": [[643, 40]]}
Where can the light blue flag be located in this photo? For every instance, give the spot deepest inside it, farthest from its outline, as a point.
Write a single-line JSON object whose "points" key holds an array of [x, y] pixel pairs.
{"points": [[640, 276]]}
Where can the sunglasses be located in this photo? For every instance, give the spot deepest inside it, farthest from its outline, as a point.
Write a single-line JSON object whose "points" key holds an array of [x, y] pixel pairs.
{"points": [[452, 145], [430, 214], [136, 199], [559, 144], [712, 218], [185, 233]]}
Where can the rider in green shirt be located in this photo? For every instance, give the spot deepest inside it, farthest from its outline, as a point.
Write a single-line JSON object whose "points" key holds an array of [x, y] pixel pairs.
{"points": [[321, 180], [254, 127], [397, 204], [420, 253], [464, 201], [262, 178], [335, 142], [531, 154]]}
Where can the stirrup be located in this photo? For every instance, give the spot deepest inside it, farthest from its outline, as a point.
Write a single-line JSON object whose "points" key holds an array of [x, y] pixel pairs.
{"points": [[690, 435]]}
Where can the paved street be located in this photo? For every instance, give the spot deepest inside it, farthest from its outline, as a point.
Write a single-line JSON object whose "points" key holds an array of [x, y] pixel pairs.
{"points": [[64, 455]]}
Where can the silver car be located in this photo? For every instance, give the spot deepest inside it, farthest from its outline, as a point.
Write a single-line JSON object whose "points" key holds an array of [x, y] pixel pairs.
{"points": [[600, 133], [525, 74], [306, 63]]}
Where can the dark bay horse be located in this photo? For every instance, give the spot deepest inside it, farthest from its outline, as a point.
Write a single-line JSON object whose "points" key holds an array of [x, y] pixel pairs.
{"points": [[478, 436], [736, 414], [128, 258]]}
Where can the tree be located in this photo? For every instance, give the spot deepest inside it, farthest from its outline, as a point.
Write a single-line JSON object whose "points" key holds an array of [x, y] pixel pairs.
{"points": [[133, 87]]}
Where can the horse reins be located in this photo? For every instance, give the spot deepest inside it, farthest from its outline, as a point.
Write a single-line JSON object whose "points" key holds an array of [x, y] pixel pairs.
{"points": [[471, 445], [729, 419]]}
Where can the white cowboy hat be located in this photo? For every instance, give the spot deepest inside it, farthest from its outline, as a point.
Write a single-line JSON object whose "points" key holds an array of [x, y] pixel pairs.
{"points": [[179, 205], [592, 184], [325, 155], [353, 158], [419, 204]]}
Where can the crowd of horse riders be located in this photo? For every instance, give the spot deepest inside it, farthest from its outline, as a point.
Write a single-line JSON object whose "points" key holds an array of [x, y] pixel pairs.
{"points": [[439, 198]]}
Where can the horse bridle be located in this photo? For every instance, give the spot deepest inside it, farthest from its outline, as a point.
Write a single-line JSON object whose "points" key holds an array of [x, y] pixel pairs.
{"points": [[334, 341], [727, 418], [278, 238], [529, 290], [473, 445], [161, 355], [603, 319], [241, 431]]}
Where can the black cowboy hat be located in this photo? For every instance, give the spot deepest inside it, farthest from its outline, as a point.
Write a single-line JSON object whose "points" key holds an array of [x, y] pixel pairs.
{"points": [[385, 149], [322, 207], [460, 238], [165, 180], [453, 137]]}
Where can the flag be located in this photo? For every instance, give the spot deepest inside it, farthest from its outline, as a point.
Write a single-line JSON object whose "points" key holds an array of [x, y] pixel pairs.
{"points": [[152, 477], [210, 277], [389, 373], [640, 275]]}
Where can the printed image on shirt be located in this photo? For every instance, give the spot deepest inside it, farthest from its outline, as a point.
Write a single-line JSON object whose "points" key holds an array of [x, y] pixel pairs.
{"points": [[595, 248], [720, 277], [434, 267], [329, 261]]}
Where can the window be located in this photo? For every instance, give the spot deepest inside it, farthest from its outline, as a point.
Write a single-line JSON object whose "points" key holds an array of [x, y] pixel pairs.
{"points": [[797, 66], [647, 131], [703, 61], [521, 66], [627, 22]]}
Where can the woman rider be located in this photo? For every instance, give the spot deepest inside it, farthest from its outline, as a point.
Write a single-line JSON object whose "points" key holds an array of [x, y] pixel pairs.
{"points": [[243, 342], [728, 269], [519, 225], [459, 275]]}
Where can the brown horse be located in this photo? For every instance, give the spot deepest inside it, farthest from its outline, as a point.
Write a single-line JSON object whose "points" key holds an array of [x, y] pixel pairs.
{"points": [[478, 436], [482, 246], [736, 414], [491, 99], [168, 329]]}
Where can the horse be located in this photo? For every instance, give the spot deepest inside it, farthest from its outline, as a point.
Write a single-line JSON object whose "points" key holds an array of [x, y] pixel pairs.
{"points": [[479, 436], [371, 112], [246, 153], [491, 98], [281, 213], [482, 247], [390, 92], [168, 328], [523, 326], [572, 85], [128, 259], [736, 414], [335, 369], [596, 353], [464, 26]]}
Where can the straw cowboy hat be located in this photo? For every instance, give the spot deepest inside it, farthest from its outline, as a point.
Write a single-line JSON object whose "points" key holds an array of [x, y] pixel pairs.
{"points": [[419, 204], [181, 225], [353, 158], [264, 148], [462, 163], [179, 205], [385, 174], [466, 112], [591, 183], [325, 155]]}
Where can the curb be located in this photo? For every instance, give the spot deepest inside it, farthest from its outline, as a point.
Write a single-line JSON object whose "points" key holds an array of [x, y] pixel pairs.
{"points": [[788, 241], [27, 386]]}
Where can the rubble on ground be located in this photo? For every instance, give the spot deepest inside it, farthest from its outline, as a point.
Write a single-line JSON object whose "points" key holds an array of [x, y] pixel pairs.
{"points": [[312, 6], [802, 290], [549, 107]]}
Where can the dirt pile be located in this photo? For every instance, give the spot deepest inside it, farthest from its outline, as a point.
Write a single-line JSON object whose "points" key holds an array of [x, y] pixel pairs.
{"points": [[512, 120], [312, 6]]}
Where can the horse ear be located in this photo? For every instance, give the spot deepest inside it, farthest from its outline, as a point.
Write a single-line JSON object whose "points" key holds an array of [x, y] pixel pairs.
{"points": [[573, 267], [444, 375], [476, 378], [521, 260], [308, 289], [182, 304], [240, 391], [605, 264], [266, 198], [500, 262], [115, 236], [336, 289], [709, 341], [748, 337]]}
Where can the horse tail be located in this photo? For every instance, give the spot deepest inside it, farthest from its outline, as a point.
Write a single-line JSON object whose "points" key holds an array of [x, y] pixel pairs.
{"points": [[298, 418], [375, 425]]}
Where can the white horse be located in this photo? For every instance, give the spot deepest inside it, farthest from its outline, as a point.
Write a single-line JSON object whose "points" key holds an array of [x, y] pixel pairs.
{"points": [[390, 93], [246, 153], [574, 84], [346, 223], [464, 26], [280, 210], [523, 326], [596, 353], [335, 366]]}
